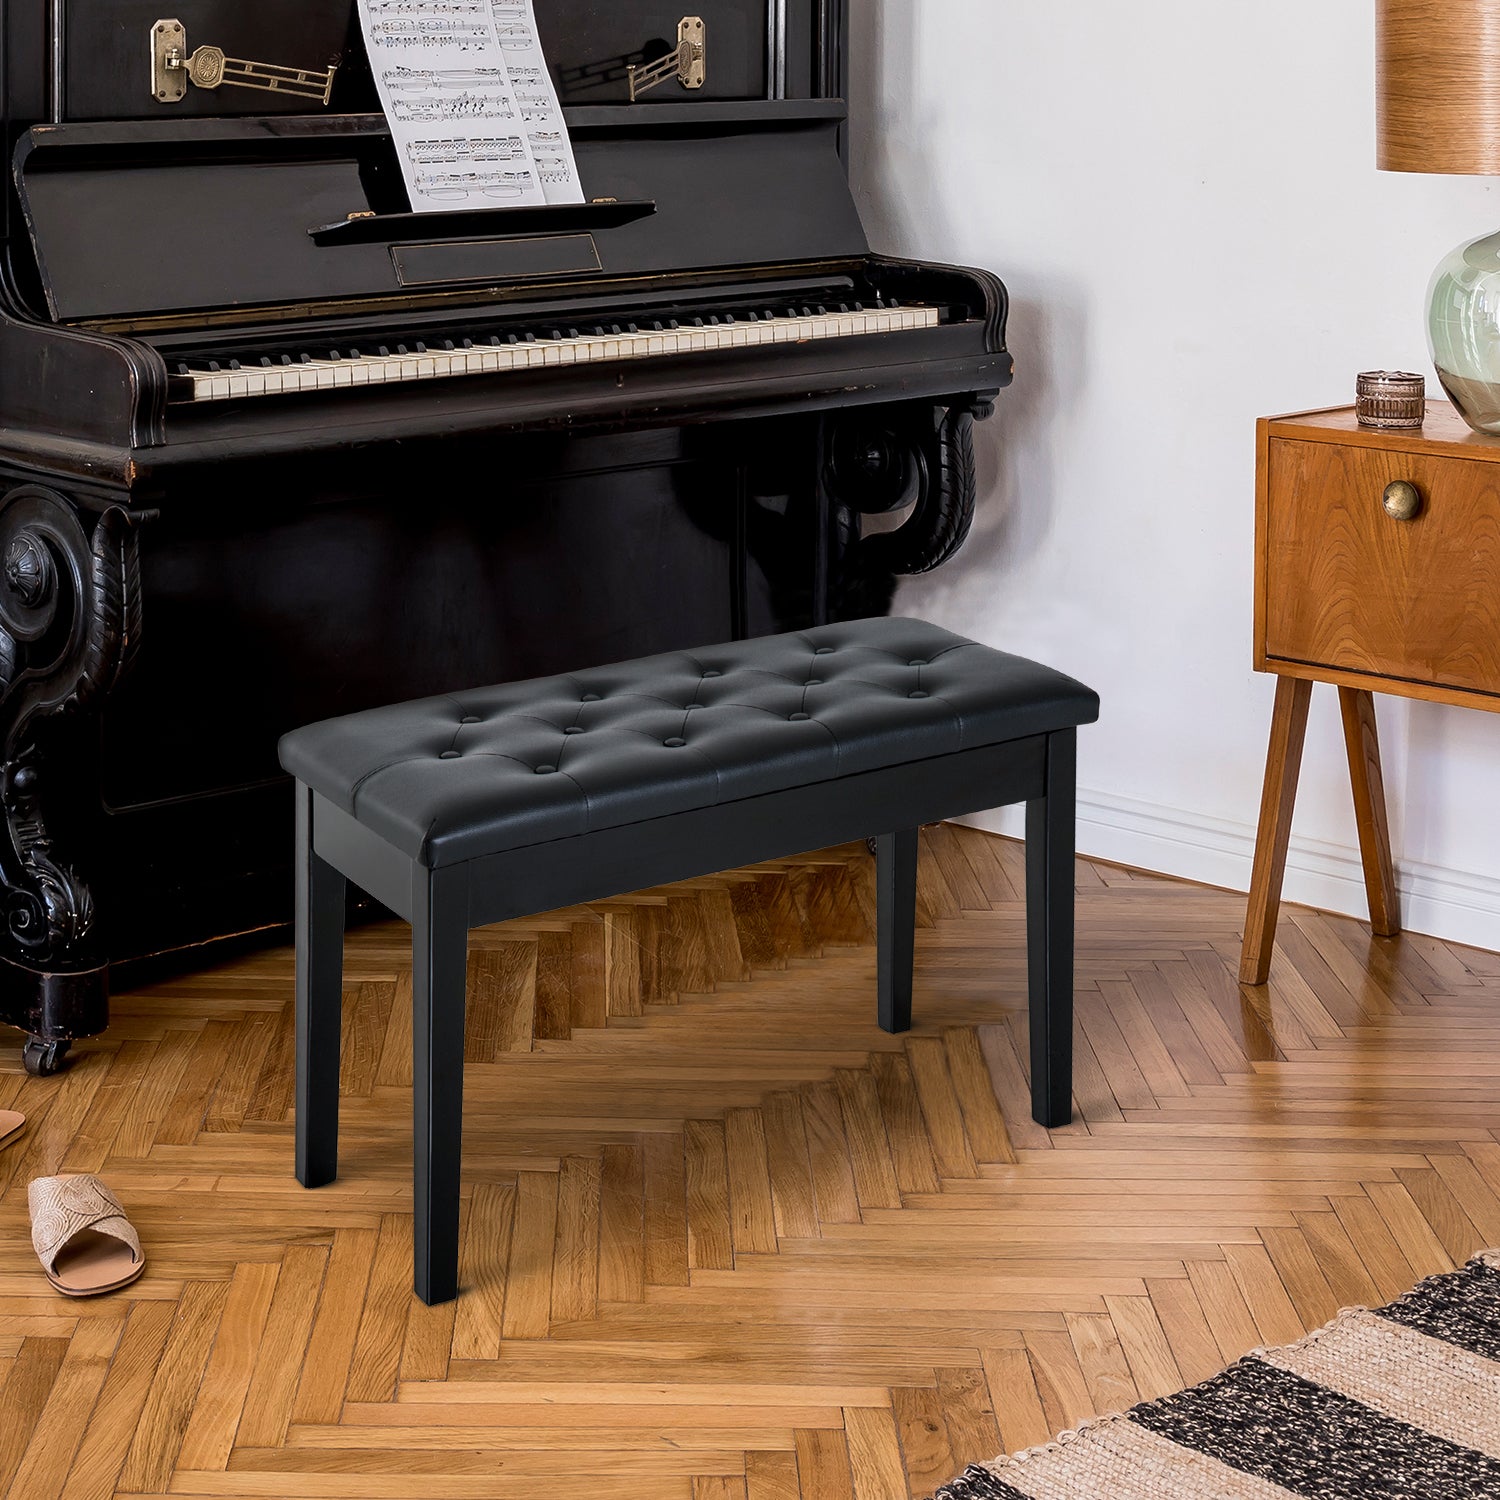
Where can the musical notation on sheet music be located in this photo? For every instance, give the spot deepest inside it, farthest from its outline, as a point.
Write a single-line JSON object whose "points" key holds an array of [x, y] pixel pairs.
{"points": [[536, 98], [465, 36], [427, 80], [443, 73], [509, 149], [381, 9], [425, 109]]}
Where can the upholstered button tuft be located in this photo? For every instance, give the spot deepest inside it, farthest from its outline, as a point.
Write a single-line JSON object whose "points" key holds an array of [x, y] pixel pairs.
{"points": [[814, 682], [918, 694], [916, 664], [574, 729], [590, 698], [545, 770], [713, 672], [824, 651], [449, 755], [796, 717], [689, 707], [469, 719], [675, 743]]}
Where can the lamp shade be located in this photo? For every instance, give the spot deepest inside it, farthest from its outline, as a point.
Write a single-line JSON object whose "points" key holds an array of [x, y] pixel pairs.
{"points": [[1438, 85]]}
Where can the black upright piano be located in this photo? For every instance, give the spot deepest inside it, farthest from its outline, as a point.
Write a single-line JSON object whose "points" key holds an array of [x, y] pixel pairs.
{"points": [[273, 447]]}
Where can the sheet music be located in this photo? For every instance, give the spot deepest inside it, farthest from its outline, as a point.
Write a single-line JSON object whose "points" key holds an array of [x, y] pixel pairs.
{"points": [[458, 126], [541, 114]]}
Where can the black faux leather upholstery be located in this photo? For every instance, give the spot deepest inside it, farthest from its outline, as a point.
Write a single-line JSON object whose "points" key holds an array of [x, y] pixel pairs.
{"points": [[477, 772]]}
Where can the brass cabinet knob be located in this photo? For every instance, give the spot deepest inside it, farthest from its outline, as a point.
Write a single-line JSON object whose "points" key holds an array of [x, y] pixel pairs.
{"points": [[1402, 500]]}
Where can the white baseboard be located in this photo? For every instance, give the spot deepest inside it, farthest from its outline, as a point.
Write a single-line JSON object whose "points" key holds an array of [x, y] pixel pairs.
{"points": [[1452, 904]]}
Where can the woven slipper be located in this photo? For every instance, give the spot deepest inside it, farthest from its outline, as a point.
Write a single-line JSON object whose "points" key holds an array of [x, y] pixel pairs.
{"points": [[11, 1122], [81, 1236]]}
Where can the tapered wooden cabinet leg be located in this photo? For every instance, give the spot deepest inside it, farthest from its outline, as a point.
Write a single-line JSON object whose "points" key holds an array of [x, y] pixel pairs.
{"points": [[896, 919], [440, 942], [1283, 764], [320, 976], [1361, 739]]}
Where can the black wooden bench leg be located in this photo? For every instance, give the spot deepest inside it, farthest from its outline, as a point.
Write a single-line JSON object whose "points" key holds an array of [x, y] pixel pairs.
{"points": [[320, 983], [440, 942], [1049, 933], [896, 920]]}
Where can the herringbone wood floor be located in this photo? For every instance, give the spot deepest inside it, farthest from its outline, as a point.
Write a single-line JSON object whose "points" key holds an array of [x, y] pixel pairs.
{"points": [[724, 1239]]}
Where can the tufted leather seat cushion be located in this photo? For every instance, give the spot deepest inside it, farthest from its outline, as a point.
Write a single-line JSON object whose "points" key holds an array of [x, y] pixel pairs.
{"points": [[490, 769]]}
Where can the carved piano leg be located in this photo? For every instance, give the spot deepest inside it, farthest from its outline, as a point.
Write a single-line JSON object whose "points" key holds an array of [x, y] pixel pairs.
{"points": [[885, 459], [69, 626]]}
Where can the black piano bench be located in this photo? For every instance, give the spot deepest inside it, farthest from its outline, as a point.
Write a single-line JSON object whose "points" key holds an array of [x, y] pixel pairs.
{"points": [[508, 801]]}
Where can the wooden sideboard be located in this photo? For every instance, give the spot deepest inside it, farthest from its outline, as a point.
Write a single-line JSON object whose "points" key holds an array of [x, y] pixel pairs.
{"points": [[1377, 569]]}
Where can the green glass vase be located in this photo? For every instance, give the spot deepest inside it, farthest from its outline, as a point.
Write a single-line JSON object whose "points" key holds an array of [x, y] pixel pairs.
{"points": [[1463, 330]]}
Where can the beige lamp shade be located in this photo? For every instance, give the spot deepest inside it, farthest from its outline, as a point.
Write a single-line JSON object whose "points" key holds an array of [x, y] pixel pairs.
{"points": [[1438, 85]]}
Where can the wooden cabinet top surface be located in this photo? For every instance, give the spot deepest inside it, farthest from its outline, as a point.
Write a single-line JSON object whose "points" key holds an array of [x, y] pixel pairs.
{"points": [[1443, 431]]}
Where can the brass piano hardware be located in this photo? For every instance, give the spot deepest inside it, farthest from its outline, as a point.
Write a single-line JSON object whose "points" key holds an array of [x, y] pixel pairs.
{"points": [[686, 64], [173, 68], [362, 213], [1402, 500]]}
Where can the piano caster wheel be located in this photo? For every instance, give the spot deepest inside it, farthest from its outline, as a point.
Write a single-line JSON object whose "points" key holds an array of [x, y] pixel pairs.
{"points": [[43, 1059], [873, 845]]}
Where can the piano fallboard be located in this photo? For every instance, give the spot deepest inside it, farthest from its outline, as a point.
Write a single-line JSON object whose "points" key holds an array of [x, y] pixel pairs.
{"points": [[209, 216]]}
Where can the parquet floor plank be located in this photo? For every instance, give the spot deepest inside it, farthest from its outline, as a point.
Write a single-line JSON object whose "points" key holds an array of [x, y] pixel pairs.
{"points": [[722, 1238], [926, 1451]]}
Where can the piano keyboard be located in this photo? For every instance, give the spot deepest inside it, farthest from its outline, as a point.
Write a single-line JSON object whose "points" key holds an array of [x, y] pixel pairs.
{"points": [[271, 375]]}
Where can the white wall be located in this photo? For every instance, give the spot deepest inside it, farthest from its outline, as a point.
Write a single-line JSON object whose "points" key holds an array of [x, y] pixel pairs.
{"points": [[1182, 199]]}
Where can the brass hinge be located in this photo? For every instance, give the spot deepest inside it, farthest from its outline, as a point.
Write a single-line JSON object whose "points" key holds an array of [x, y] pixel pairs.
{"points": [[687, 64], [173, 68]]}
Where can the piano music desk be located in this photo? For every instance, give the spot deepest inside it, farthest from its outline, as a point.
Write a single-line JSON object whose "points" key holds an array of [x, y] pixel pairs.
{"points": [[1377, 569]]}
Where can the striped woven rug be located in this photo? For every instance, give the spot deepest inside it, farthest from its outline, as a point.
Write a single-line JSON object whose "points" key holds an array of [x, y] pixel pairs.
{"points": [[1400, 1402]]}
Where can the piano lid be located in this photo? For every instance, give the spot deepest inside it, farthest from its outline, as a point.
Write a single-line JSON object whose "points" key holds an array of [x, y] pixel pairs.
{"points": [[135, 221]]}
